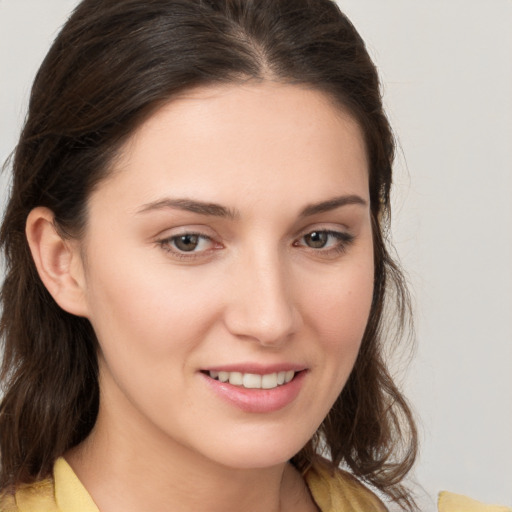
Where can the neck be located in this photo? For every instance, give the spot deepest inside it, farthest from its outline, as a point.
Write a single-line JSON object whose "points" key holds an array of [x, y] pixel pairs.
{"points": [[131, 466]]}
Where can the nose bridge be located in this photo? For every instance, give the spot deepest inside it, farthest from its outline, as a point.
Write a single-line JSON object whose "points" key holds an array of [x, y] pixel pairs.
{"points": [[262, 306]]}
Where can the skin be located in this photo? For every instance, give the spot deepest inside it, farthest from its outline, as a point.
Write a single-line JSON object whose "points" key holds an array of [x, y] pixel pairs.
{"points": [[254, 290]]}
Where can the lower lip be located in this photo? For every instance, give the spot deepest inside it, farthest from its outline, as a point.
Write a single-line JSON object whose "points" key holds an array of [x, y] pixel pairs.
{"points": [[258, 400]]}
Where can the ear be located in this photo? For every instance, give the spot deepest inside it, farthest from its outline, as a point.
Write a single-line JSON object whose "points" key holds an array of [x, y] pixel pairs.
{"points": [[58, 261]]}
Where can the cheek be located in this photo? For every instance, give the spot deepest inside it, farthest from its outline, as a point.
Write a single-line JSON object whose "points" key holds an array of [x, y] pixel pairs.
{"points": [[341, 307], [338, 312], [147, 310]]}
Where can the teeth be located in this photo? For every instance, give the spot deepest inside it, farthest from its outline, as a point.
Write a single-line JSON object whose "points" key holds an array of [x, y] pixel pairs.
{"points": [[236, 378], [269, 381], [253, 380]]}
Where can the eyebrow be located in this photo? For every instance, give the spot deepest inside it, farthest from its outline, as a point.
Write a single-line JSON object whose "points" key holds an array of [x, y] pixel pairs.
{"points": [[189, 205], [217, 210], [332, 204]]}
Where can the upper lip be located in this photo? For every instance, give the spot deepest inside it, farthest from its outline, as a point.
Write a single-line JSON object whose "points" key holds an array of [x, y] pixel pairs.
{"points": [[256, 368]]}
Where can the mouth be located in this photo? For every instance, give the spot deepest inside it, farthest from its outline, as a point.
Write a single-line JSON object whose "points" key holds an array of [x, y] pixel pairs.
{"points": [[252, 388], [253, 380]]}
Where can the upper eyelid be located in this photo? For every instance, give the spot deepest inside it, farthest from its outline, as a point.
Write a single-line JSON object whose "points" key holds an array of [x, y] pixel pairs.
{"points": [[324, 227], [205, 232], [171, 232], [185, 233], [202, 233], [342, 236], [332, 232]]}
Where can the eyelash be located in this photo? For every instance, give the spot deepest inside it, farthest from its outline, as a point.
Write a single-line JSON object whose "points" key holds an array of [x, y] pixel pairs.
{"points": [[344, 240], [168, 243]]}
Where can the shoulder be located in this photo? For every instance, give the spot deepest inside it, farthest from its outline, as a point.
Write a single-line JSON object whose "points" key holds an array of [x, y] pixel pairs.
{"points": [[451, 502], [61, 492], [36, 497], [335, 490]]}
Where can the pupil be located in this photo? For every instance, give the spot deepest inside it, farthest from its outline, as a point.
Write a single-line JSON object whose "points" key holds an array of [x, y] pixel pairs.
{"points": [[187, 242], [317, 239]]}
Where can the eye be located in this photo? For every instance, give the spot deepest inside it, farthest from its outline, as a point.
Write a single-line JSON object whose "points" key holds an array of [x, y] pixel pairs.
{"points": [[317, 239], [187, 244], [325, 240]]}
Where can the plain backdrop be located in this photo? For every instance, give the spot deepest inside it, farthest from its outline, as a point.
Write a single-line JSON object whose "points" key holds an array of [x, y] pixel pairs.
{"points": [[446, 66]]}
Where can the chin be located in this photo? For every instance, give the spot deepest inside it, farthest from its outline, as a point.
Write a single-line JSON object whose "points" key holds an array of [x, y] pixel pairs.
{"points": [[266, 452]]}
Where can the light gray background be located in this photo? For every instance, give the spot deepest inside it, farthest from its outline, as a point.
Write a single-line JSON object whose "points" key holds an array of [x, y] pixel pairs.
{"points": [[447, 71]]}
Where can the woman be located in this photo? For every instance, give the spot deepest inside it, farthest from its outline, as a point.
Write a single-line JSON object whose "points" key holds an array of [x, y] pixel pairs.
{"points": [[197, 267]]}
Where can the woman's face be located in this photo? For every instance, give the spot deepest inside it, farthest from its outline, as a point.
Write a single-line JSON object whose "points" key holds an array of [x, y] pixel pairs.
{"points": [[229, 251]]}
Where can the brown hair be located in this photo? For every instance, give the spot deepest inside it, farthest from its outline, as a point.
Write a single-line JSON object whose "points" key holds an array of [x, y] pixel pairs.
{"points": [[112, 65]]}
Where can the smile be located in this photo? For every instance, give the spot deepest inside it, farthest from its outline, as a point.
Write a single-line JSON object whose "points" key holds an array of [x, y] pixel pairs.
{"points": [[253, 380], [255, 389]]}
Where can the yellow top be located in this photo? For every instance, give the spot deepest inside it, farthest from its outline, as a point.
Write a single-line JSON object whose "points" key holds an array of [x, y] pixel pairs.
{"points": [[340, 491], [333, 492], [450, 502], [65, 493]]}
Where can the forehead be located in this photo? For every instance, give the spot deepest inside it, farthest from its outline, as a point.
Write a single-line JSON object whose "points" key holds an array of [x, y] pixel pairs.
{"points": [[244, 139]]}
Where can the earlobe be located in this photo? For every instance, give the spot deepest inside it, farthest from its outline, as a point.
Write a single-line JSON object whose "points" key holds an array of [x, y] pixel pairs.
{"points": [[57, 260]]}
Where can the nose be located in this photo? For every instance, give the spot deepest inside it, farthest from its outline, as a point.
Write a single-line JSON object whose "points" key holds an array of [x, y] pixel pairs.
{"points": [[261, 305]]}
